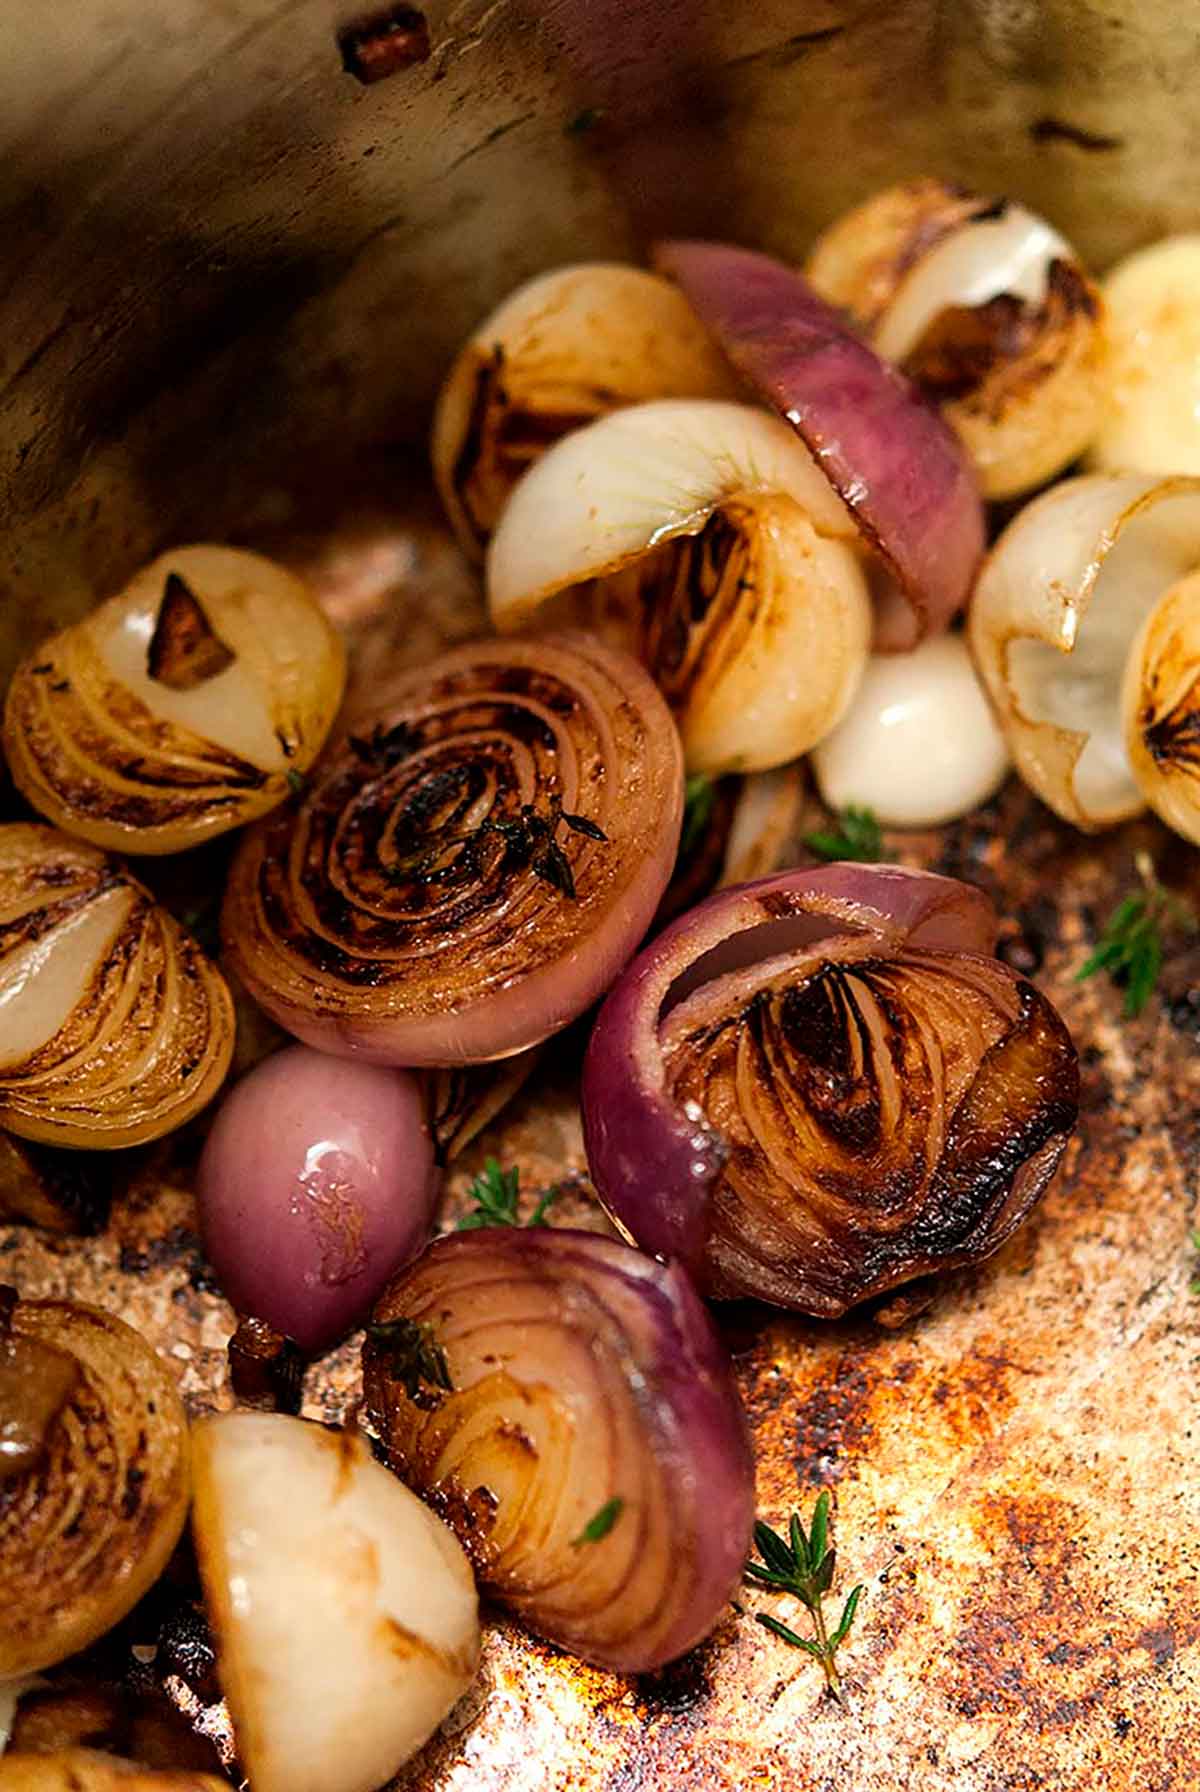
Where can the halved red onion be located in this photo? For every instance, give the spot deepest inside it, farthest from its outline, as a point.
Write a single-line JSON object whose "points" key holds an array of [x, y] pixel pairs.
{"points": [[470, 869], [565, 1404], [817, 1086], [316, 1183], [886, 452]]}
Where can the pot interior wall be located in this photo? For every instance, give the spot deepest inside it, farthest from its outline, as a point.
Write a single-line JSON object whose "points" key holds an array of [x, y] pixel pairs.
{"points": [[234, 274]]}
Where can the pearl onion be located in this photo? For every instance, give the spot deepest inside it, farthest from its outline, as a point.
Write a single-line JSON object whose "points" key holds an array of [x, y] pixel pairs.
{"points": [[919, 745], [1152, 422]]}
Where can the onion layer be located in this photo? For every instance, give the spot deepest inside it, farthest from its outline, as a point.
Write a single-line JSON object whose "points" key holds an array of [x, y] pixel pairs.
{"points": [[703, 539], [317, 1181], [465, 877], [88, 1770], [116, 1028], [988, 310], [565, 1402], [89, 1525], [561, 351], [885, 453], [1053, 626], [178, 709], [344, 1612], [818, 1086]]}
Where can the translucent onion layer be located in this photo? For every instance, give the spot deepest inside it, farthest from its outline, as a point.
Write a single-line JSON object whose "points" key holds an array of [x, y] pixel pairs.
{"points": [[565, 1403], [819, 1086], [115, 1026], [180, 708], [474, 867]]}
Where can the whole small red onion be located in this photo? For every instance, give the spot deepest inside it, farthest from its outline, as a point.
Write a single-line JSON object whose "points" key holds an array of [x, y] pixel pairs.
{"points": [[316, 1184]]}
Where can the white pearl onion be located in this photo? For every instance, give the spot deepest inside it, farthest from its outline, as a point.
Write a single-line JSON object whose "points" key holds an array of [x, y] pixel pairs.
{"points": [[1152, 423], [919, 746]]}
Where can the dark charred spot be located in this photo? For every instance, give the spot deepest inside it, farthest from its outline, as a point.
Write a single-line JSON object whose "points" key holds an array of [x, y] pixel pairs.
{"points": [[832, 1422], [1174, 739], [265, 1368], [185, 650], [1058, 130], [382, 45]]}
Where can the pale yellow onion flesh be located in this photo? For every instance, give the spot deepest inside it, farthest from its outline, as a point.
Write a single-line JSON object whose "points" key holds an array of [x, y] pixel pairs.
{"points": [[1161, 707], [1058, 605], [90, 1770], [919, 745], [127, 761], [114, 1026], [913, 255], [344, 1611], [1151, 420], [702, 536], [561, 350], [87, 1529], [765, 824]]}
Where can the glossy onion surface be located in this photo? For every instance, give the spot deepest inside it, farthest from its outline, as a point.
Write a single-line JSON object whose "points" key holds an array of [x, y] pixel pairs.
{"points": [[474, 867], [565, 1402]]}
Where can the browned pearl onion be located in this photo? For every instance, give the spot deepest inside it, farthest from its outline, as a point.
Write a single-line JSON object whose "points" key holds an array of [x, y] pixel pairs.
{"points": [[99, 1502], [988, 309], [116, 1027], [178, 709]]}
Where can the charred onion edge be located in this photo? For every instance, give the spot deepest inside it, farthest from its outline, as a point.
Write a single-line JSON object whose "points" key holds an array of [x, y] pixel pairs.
{"points": [[886, 452], [643, 1138]]}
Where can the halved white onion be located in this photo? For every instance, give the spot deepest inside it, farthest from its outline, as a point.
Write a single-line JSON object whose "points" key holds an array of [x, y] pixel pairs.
{"points": [[345, 1613], [919, 745], [1151, 421], [560, 351], [1053, 624], [702, 536], [987, 307]]}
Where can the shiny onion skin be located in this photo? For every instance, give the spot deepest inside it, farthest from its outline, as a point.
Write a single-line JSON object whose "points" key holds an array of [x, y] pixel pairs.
{"points": [[818, 1086], [180, 708], [891, 460], [561, 350], [117, 1028], [316, 1183], [89, 1527], [988, 310], [583, 1374], [442, 894]]}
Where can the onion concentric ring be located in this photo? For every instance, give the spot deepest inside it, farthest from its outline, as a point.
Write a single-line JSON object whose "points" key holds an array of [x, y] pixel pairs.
{"points": [[590, 1451], [818, 1086], [473, 867]]}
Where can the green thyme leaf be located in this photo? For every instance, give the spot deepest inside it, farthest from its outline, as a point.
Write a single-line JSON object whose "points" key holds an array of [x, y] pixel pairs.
{"points": [[1131, 947], [857, 836], [699, 794], [413, 1357], [600, 1523], [496, 1194], [804, 1566], [295, 781]]}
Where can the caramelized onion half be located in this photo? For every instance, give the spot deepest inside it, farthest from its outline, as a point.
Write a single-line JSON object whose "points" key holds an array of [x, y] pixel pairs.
{"points": [[469, 872], [87, 1526], [988, 310], [701, 537], [114, 1026], [565, 1403], [561, 351], [178, 709], [819, 1086], [1083, 629]]}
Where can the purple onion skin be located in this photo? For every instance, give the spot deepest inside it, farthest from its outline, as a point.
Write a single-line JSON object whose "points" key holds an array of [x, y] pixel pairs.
{"points": [[654, 1166], [888, 454], [316, 1183]]}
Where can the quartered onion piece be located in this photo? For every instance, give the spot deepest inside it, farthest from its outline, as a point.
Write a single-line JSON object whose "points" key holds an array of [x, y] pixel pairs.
{"points": [[565, 1403], [94, 1478], [180, 708], [114, 1026], [471, 870], [1151, 418], [893, 462], [819, 1086], [561, 351], [988, 309], [344, 1612], [700, 536], [1083, 629]]}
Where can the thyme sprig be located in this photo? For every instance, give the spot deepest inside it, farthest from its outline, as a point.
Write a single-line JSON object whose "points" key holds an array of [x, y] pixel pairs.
{"points": [[527, 838], [1131, 946], [413, 1357], [855, 835], [496, 1194], [699, 794], [803, 1564]]}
